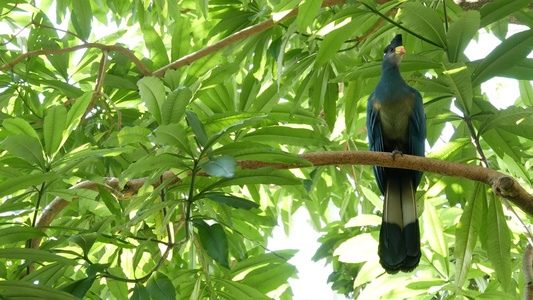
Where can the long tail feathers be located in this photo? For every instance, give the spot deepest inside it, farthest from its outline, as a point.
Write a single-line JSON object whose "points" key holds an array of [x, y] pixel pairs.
{"points": [[399, 239]]}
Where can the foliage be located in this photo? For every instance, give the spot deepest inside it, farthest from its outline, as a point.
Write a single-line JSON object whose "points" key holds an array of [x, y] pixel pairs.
{"points": [[92, 112]]}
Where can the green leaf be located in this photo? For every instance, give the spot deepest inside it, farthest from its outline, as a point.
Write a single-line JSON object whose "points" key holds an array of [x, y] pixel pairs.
{"points": [[173, 135], [307, 11], [26, 290], [498, 9], [85, 241], [159, 286], [460, 85], [222, 166], [119, 289], [140, 292], [259, 152], [16, 234], [79, 288], [510, 116], [499, 242], [181, 38], [197, 127], [286, 136], [424, 21], [26, 147], [335, 39], [110, 202], [133, 135], [152, 92], [74, 194], [526, 92], [507, 54], [434, 232], [82, 18], [460, 33], [75, 113], [232, 201], [12, 185], [54, 128], [214, 241], [29, 254], [267, 175], [240, 291], [19, 126], [232, 128], [173, 108], [156, 47], [466, 233], [269, 277]]}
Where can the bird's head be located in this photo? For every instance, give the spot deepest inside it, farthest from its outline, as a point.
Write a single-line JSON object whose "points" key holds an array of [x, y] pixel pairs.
{"points": [[393, 53]]}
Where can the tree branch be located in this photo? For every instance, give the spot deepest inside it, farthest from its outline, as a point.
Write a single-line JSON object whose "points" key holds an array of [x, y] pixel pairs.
{"points": [[502, 185]]}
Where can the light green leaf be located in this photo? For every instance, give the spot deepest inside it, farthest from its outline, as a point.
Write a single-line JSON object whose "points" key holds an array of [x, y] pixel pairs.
{"points": [[510, 116], [119, 289], [29, 254], [466, 233], [424, 21], [181, 38], [259, 152], [16, 184], [222, 166], [54, 128], [156, 47], [133, 135], [460, 33], [75, 113], [152, 93], [460, 85], [334, 40], [360, 248], [267, 175], [16, 234], [173, 108], [307, 11], [19, 126], [240, 291], [82, 18], [197, 127], [286, 136], [26, 147], [172, 135], [526, 92], [434, 233], [499, 242]]}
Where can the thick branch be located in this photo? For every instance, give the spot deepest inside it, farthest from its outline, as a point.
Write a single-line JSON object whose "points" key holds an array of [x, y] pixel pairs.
{"points": [[503, 185]]}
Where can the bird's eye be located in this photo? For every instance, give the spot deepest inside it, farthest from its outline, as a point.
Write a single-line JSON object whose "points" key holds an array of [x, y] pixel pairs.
{"points": [[391, 50]]}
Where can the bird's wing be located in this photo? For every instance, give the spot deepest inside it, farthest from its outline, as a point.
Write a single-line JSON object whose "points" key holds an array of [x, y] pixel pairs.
{"points": [[375, 139], [417, 131]]}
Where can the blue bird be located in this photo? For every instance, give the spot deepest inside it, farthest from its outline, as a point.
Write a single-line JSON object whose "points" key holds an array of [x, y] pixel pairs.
{"points": [[396, 123]]}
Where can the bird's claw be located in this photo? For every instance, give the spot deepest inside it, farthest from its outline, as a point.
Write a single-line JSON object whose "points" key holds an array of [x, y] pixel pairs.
{"points": [[394, 152]]}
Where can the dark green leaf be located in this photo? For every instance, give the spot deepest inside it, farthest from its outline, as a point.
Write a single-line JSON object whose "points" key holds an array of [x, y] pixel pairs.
{"points": [[286, 136], [159, 286], [110, 202], [140, 292], [133, 135], [79, 288], [235, 202], [85, 241], [197, 127], [27, 290], [496, 10], [16, 184], [507, 54], [214, 241], [260, 176]]}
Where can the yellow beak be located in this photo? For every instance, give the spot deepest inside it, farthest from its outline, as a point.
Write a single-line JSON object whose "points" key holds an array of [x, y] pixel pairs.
{"points": [[400, 50]]}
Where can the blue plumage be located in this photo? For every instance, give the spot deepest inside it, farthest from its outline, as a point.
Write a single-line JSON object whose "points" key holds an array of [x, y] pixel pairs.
{"points": [[396, 122]]}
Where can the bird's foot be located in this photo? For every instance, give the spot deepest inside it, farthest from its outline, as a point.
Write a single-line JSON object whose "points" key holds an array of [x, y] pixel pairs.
{"points": [[394, 152]]}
